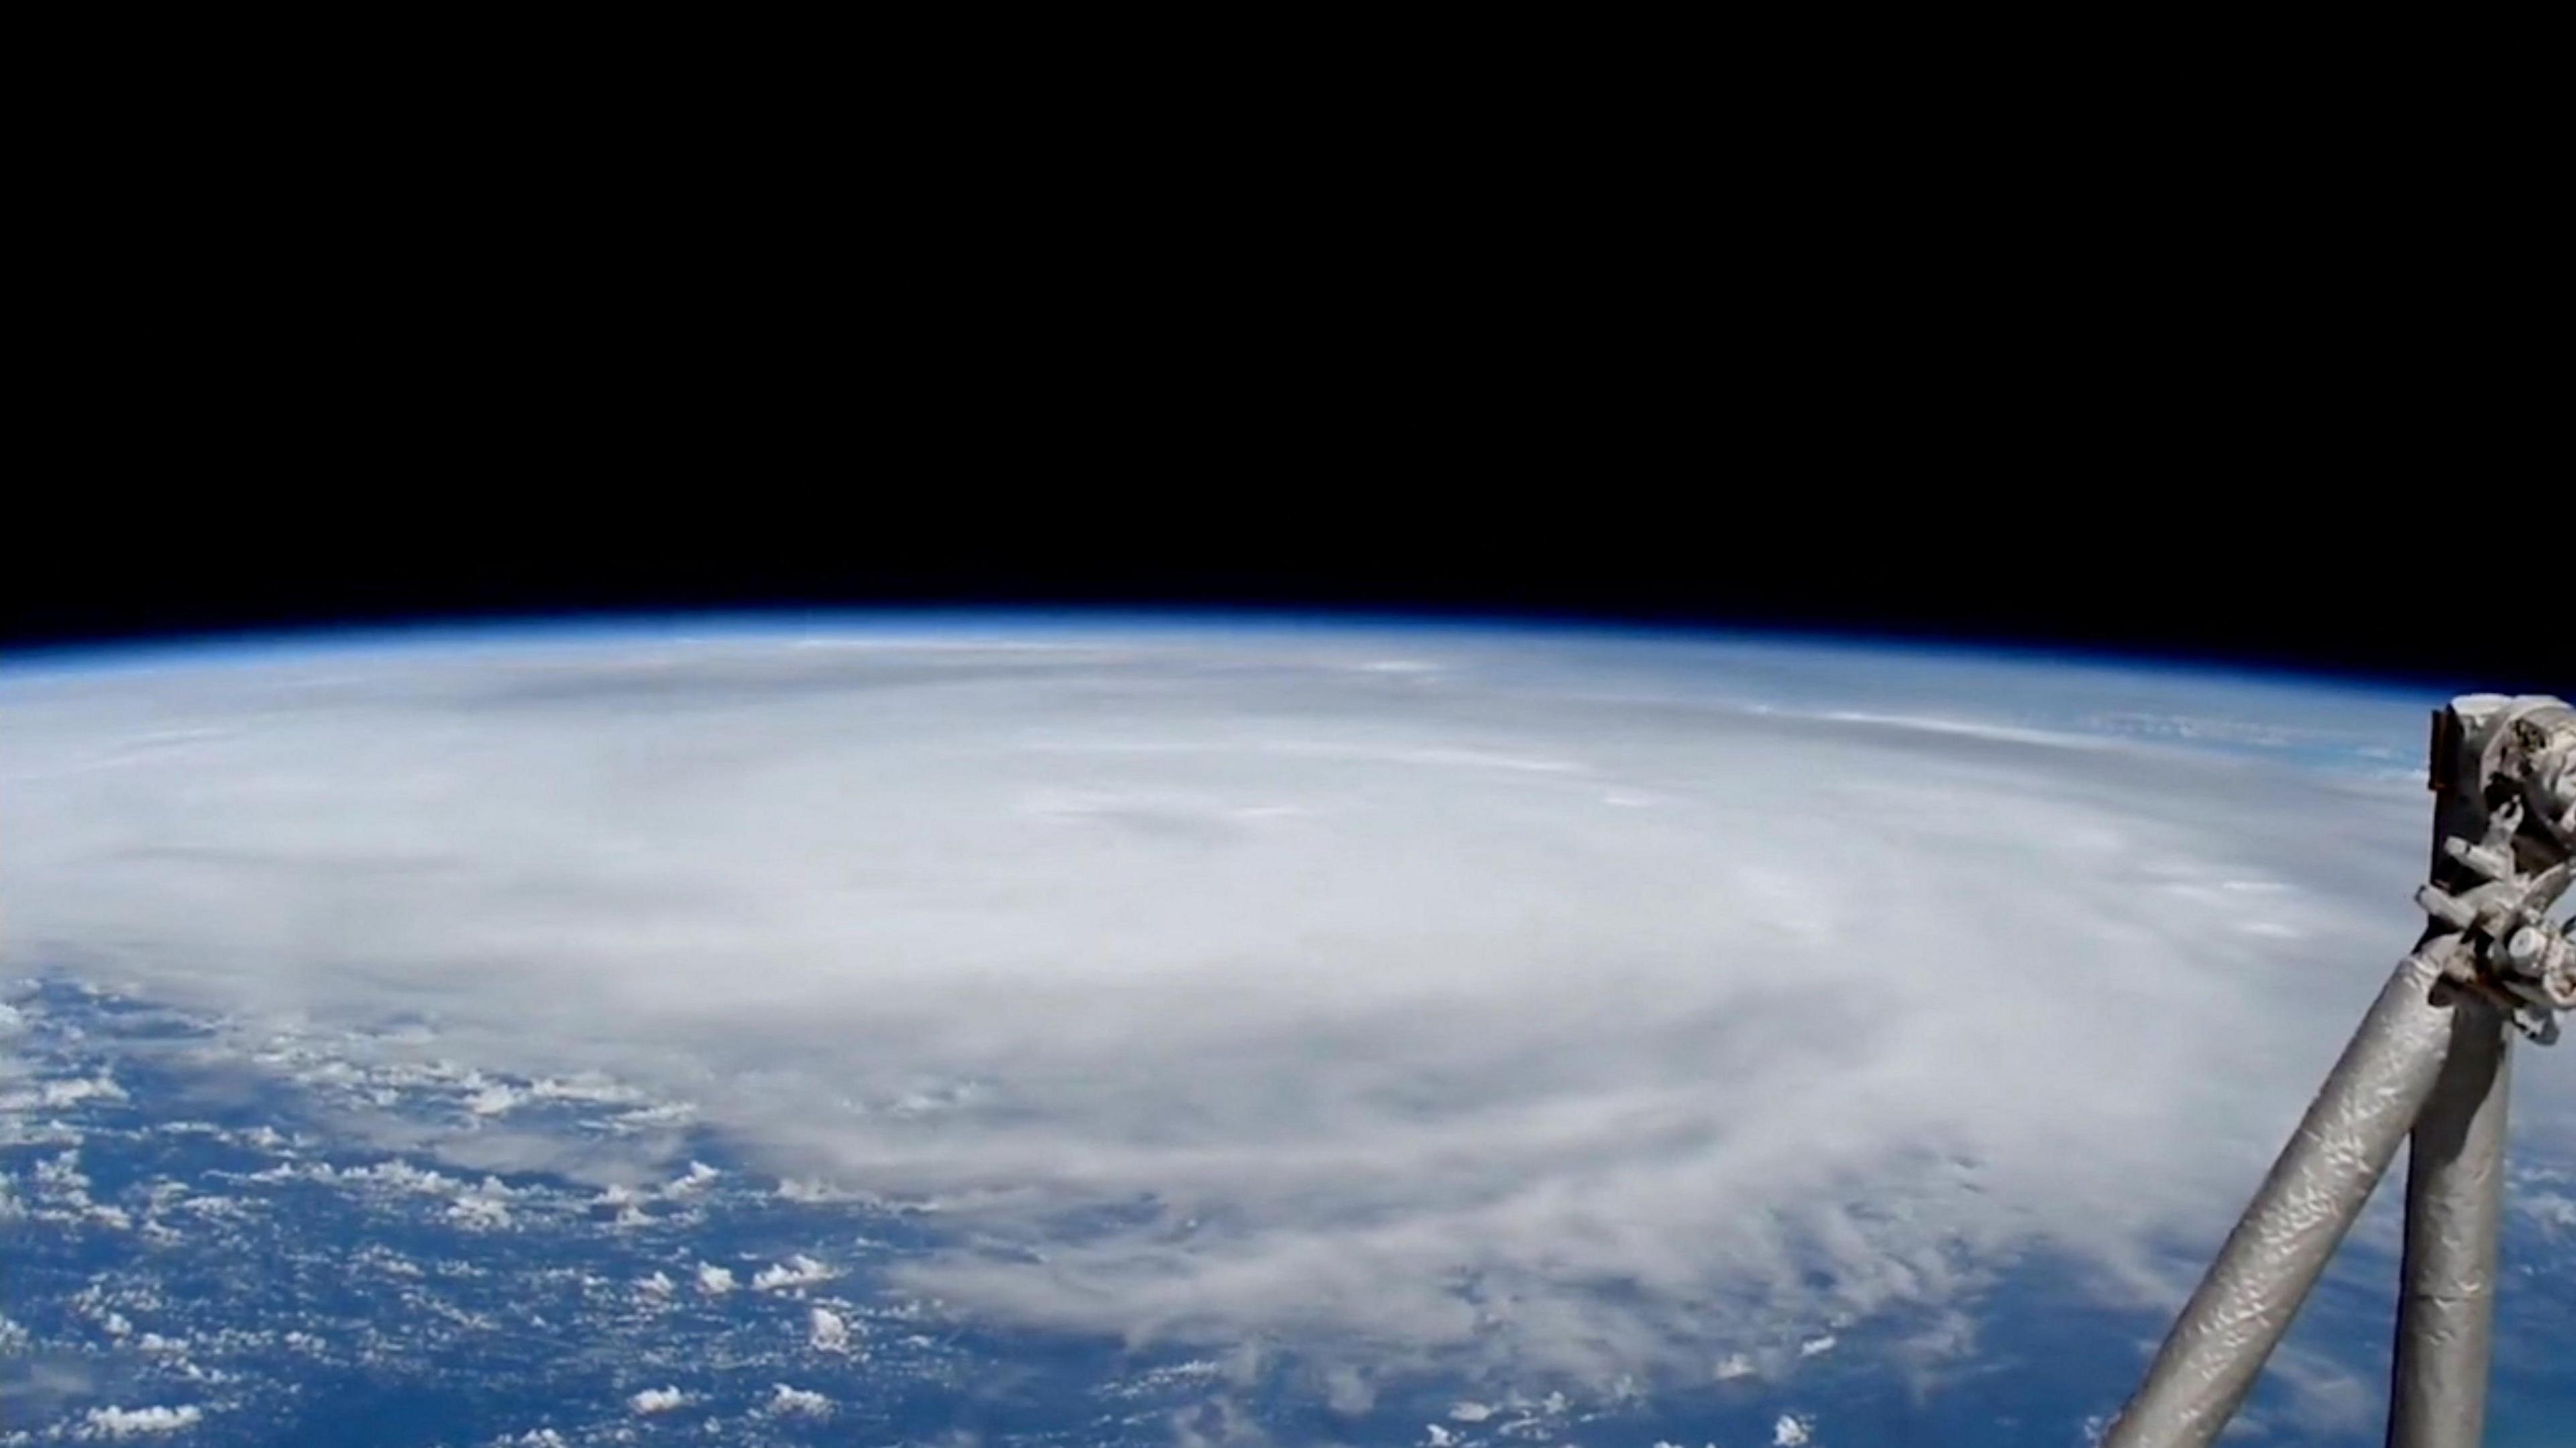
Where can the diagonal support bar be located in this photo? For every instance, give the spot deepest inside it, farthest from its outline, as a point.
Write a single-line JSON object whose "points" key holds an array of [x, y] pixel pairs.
{"points": [[2299, 1215]]}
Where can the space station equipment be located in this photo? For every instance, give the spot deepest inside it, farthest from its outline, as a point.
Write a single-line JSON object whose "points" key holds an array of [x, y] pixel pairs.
{"points": [[2432, 1060]]}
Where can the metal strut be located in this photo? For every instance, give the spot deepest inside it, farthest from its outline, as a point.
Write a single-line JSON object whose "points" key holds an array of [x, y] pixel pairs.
{"points": [[2431, 1058]]}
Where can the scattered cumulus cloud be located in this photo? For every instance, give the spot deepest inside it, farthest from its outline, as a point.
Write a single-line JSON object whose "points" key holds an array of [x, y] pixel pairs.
{"points": [[828, 1331], [787, 1402], [153, 1422], [657, 1400], [796, 1271]]}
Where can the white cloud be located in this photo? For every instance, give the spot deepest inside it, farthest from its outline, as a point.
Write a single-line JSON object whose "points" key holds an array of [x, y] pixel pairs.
{"points": [[485, 1207], [1859, 1008], [1791, 1431], [828, 1331], [67, 1093], [139, 1422], [657, 1400], [1347, 1390], [796, 1271], [785, 1401], [2549, 1208]]}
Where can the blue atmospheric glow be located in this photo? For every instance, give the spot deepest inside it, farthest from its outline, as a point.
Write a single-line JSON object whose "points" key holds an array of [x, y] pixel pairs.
{"points": [[379, 639]]}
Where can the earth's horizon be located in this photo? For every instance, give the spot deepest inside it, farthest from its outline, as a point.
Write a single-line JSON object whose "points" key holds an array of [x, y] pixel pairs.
{"points": [[1143, 1029]]}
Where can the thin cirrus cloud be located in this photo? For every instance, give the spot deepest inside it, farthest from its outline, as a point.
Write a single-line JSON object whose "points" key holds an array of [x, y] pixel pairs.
{"points": [[1617, 1009]]}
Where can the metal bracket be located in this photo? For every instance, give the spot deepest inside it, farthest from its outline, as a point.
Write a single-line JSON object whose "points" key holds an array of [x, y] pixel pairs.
{"points": [[2489, 898]]}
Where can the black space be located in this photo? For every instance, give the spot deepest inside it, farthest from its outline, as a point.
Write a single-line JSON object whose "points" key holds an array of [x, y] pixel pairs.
{"points": [[2187, 408], [2205, 577], [2310, 528]]}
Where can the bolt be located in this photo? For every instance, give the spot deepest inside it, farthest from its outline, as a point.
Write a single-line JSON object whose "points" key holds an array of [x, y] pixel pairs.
{"points": [[2526, 946]]}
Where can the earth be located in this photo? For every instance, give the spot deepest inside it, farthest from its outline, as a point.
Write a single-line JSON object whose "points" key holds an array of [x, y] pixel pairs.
{"points": [[974, 1029]]}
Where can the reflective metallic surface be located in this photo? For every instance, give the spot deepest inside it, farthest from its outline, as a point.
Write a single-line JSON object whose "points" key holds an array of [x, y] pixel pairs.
{"points": [[2454, 1206], [2455, 1170], [2433, 1057], [2315, 1190]]}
